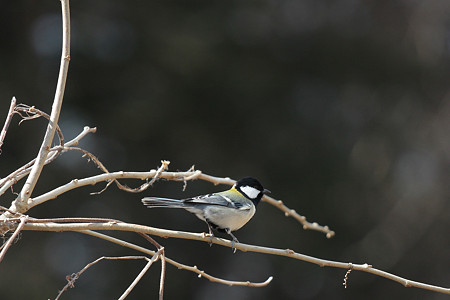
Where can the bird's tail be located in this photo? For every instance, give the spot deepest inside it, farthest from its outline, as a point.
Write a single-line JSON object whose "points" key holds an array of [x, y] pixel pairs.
{"points": [[152, 202]]}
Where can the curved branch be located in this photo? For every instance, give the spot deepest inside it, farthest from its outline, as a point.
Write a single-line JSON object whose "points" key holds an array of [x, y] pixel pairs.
{"points": [[81, 227], [20, 204], [31, 113]]}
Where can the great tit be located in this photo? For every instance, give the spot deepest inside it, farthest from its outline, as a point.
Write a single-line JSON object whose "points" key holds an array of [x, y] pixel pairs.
{"points": [[225, 211]]}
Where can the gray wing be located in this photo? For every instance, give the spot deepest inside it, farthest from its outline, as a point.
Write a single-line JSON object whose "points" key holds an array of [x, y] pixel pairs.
{"points": [[216, 199]]}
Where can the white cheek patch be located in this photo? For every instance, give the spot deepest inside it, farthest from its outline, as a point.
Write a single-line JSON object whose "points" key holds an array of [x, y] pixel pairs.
{"points": [[251, 192]]}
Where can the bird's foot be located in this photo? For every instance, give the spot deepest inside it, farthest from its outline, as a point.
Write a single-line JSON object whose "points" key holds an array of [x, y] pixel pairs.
{"points": [[234, 241], [210, 234], [232, 245]]}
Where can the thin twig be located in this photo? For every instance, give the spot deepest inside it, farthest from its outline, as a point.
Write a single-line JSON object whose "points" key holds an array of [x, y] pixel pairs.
{"points": [[23, 220], [141, 274], [6, 209], [163, 274], [34, 113], [163, 262], [88, 154], [83, 227], [72, 278], [7, 122], [175, 263], [302, 219], [151, 240]]}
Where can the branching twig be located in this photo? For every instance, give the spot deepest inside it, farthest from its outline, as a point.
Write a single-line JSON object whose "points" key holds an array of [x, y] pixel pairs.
{"points": [[158, 255], [11, 179], [72, 278], [84, 228], [175, 263]]}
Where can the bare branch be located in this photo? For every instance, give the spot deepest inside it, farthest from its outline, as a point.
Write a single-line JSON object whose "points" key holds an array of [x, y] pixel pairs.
{"points": [[84, 227], [7, 122], [20, 204]]}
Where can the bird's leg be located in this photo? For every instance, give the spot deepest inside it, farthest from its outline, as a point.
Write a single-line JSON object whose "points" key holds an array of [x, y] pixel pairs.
{"points": [[235, 240], [211, 234]]}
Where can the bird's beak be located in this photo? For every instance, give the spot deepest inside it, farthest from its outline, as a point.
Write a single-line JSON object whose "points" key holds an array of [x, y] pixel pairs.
{"points": [[266, 191]]}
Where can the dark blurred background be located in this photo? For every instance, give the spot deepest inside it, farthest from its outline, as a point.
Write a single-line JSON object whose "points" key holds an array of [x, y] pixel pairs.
{"points": [[340, 108]]}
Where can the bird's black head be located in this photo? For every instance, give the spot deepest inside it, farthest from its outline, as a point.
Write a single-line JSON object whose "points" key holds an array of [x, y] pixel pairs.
{"points": [[251, 189]]}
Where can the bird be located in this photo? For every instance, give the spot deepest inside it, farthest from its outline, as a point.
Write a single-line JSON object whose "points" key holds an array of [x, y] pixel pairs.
{"points": [[225, 211]]}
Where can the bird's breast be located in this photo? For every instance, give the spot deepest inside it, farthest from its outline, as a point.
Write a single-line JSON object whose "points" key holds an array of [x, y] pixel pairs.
{"points": [[230, 218]]}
